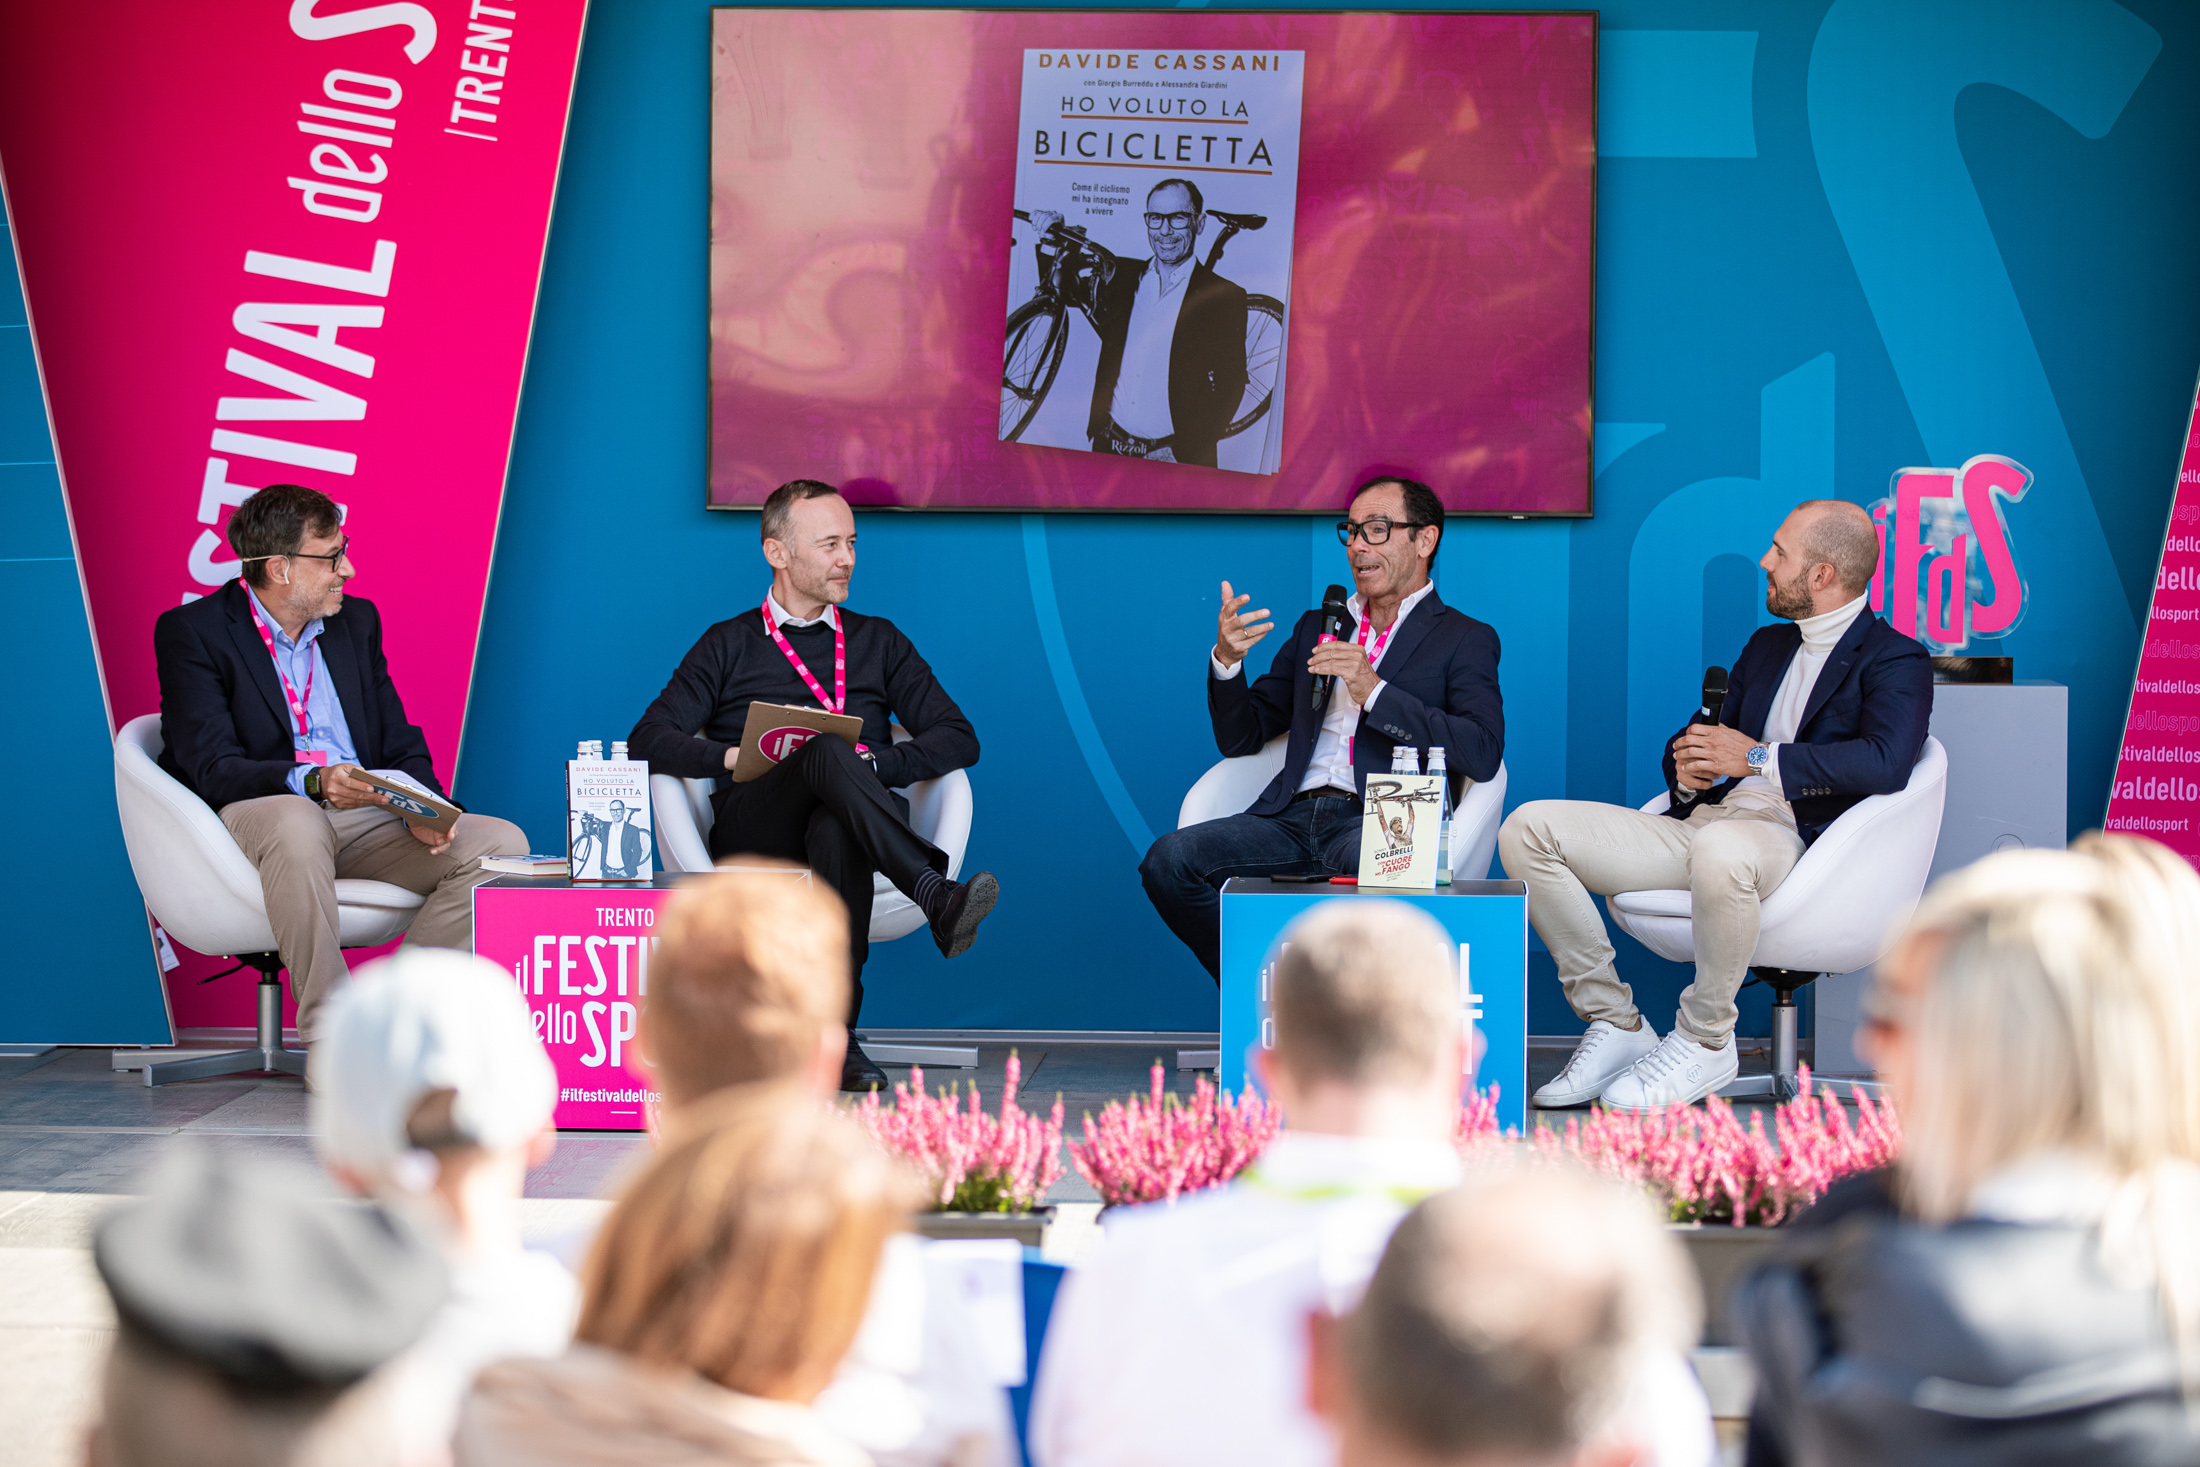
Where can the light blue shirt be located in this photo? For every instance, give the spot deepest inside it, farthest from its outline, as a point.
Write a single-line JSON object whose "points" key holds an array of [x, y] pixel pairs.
{"points": [[300, 659]]}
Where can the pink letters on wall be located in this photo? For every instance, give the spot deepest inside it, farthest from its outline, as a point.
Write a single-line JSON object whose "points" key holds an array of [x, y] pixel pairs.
{"points": [[2157, 789], [1934, 594], [285, 242]]}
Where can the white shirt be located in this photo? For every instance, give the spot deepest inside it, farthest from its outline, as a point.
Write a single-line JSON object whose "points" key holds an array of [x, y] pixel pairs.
{"points": [[782, 617], [1785, 721], [1141, 404], [1183, 1338], [1331, 765]]}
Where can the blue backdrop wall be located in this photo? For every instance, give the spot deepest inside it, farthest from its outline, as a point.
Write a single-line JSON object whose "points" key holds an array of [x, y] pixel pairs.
{"points": [[1833, 241]]}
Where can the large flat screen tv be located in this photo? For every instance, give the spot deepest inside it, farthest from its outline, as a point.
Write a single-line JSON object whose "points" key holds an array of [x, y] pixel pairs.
{"points": [[1152, 260]]}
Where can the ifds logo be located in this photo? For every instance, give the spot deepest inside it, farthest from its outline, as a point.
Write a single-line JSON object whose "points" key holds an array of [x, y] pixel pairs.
{"points": [[1947, 568]]}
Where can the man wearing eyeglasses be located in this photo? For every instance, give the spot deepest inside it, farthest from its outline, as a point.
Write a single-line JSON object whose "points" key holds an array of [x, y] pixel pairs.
{"points": [[274, 698], [1172, 341], [1407, 669]]}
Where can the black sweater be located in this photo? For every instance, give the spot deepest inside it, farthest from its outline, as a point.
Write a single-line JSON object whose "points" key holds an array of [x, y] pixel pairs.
{"points": [[735, 664]]}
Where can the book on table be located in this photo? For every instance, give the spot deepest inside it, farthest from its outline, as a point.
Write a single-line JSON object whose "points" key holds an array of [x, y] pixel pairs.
{"points": [[531, 864], [775, 730], [607, 814]]}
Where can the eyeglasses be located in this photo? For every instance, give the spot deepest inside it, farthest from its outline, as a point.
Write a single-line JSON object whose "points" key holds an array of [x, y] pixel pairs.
{"points": [[1173, 221], [343, 548], [1375, 531]]}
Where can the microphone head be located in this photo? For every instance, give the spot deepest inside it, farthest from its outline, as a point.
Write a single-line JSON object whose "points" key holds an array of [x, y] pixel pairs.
{"points": [[1333, 597], [1714, 683]]}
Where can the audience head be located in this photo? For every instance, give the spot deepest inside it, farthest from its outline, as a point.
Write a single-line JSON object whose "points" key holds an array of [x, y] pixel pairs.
{"points": [[1822, 558], [749, 983], [253, 1316], [427, 1075], [809, 535], [1365, 1002], [2044, 1000], [1506, 1324], [745, 1253]]}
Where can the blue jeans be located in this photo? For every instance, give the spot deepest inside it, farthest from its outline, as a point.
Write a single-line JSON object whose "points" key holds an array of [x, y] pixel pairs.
{"points": [[1185, 869]]}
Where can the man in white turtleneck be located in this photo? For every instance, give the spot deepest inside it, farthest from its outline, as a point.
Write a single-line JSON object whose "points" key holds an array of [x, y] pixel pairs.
{"points": [[1822, 710]]}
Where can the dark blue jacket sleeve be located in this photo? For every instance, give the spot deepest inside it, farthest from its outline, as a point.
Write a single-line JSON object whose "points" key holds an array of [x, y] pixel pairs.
{"points": [[1248, 712], [1897, 712], [196, 723], [1470, 727]]}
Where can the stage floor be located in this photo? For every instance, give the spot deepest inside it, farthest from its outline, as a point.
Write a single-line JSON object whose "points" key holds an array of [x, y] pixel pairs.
{"points": [[75, 1135]]}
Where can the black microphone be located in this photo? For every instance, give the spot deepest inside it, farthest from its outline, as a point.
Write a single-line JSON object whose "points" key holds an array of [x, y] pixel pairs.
{"points": [[1714, 695], [1334, 616]]}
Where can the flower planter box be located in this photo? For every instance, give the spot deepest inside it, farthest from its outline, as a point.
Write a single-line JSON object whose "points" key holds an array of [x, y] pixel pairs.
{"points": [[1721, 1255], [1027, 1228]]}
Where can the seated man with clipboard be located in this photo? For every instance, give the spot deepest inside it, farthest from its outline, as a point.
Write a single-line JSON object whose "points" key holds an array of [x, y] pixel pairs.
{"points": [[800, 664]]}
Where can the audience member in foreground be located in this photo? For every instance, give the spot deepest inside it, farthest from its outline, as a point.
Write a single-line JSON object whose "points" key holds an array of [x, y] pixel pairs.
{"points": [[1506, 1326], [748, 986], [2026, 1285], [433, 1096], [1184, 1339], [253, 1319], [717, 1301]]}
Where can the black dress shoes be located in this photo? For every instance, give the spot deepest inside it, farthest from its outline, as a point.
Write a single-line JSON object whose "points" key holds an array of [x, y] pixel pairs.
{"points": [[859, 1073], [964, 907]]}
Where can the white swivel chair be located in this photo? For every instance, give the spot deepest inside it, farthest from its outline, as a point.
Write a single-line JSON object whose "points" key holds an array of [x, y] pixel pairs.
{"points": [[1838, 910], [1230, 787], [199, 886], [939, 810]]}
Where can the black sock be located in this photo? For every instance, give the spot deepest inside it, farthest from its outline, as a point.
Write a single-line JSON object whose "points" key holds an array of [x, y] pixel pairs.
{"points": [[931, 893]]}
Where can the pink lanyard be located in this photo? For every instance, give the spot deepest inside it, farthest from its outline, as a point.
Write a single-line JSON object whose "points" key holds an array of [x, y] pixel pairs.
{"points": [[838, 703], [1374, 650], [297, 703]]}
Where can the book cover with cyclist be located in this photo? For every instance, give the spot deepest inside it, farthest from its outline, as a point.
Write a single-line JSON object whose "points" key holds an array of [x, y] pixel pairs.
{"points": [[1150, 283], [607, 830]]}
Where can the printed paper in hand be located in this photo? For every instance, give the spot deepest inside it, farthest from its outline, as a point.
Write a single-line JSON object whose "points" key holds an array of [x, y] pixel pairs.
{"points": [[1399, 837], [607, 820]]}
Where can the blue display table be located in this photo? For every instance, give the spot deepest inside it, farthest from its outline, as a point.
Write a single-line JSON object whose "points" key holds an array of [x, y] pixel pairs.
{"points": [[1487, 919]]}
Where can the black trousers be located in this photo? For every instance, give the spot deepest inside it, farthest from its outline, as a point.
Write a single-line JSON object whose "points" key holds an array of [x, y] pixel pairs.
{"points": [[1185, 869], [824, 807]]}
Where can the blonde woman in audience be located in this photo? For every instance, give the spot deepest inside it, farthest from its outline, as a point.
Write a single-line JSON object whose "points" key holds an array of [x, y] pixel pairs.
{"points": [[717, 1301], [2025, 1287]]}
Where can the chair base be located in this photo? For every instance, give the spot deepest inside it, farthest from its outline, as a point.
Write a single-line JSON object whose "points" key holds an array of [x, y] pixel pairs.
{"points": [[1783, 1083], [268, 1055]]}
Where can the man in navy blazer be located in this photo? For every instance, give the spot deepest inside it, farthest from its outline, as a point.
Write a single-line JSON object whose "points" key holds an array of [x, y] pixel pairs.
{"points": [[1407, 669], [274, 699], [1821, 711]]}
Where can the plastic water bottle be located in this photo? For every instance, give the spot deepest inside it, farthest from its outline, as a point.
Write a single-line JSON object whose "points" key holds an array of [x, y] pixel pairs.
{"points": [[1443, 824], [618, 750], [1404, 759]]}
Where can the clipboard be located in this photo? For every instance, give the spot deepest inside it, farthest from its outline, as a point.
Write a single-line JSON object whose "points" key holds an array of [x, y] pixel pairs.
{"points": [[775, 730], [415, 804]]}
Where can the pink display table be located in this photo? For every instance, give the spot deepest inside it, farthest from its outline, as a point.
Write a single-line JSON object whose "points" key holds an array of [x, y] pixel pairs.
{"points": [[581, 956]]}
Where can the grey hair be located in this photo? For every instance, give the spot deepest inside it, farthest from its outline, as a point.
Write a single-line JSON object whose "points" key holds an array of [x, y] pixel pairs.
{"points": [[1843, 536], [779, 507], [1365, 992]]}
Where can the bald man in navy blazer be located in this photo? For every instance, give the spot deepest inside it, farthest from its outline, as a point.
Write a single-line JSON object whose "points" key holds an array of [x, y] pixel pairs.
{"points": [[1408, 670]]}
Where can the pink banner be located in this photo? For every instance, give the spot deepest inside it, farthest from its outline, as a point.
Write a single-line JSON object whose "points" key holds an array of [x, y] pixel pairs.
{"points": [[285, 243], [2157, 789], [580, 955]]}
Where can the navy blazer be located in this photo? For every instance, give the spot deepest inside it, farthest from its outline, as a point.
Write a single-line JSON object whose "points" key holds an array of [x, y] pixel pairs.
{"points": [[226, 727], [1441, 671], [1863, 726]]}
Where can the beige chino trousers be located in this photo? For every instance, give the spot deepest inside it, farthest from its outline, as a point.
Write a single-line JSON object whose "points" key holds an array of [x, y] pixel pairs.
{"points": [[1729, 859], [301, 850]]}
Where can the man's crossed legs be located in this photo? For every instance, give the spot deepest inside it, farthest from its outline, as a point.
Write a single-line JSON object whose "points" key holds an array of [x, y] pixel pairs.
{"points": [[1728, 859], [1185, 869]]}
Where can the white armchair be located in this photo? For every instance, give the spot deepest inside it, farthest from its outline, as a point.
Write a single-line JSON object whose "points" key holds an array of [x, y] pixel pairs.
{"points": [[1231, 786], [201, 888], [939, 810], [1837, 911]]}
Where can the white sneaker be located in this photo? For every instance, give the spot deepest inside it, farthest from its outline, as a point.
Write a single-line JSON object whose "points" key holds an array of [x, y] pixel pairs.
{"points": [[1604, 1054], [1678, 1072]]}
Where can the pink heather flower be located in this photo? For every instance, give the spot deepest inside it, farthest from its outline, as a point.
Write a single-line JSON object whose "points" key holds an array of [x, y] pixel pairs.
{"points": [[1156, 1147], [1705, 1166], [972, 1162]]}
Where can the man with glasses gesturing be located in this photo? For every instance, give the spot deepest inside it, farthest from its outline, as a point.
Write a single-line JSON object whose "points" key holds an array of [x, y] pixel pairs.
{"points": [[1407, 669], [274, 694]]}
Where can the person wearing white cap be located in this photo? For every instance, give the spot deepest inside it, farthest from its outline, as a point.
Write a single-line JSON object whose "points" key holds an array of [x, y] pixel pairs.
{"points": [[432, 1094]]}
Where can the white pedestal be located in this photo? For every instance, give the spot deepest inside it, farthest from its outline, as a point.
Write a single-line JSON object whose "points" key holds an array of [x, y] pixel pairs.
{"points": [[2008, 787]]}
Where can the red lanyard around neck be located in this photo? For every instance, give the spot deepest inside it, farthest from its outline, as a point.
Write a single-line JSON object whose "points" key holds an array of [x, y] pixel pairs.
{"points": [[297, 701], [838, 702], [1381, 638]]}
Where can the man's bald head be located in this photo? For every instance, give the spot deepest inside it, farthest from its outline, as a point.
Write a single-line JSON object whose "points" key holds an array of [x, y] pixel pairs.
{"points": [[1841, 535]]}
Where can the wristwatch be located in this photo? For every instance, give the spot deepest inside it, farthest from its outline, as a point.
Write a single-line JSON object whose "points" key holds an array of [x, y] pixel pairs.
{"points": [[1759, 757], [313, 785]]}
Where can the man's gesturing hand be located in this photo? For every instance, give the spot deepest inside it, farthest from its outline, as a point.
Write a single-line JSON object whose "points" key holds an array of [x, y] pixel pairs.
{"points": [[1346, 662], [1236, 634]]}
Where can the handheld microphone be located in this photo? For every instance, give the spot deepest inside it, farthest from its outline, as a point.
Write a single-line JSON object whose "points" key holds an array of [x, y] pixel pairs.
{"points": [[1714, 695], [1334, 616]]}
